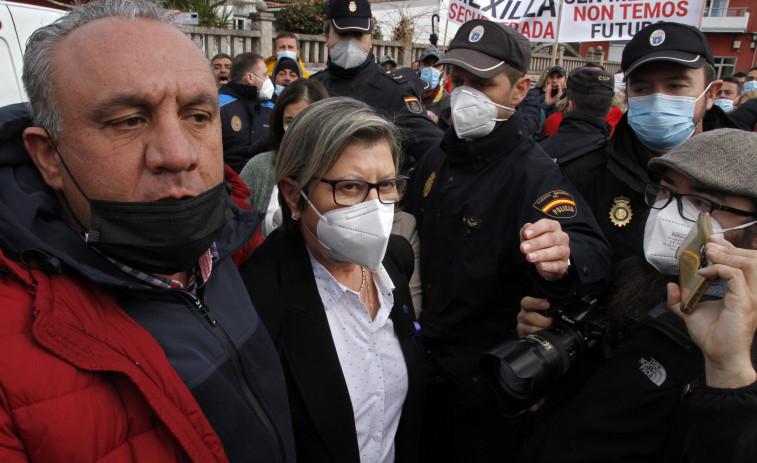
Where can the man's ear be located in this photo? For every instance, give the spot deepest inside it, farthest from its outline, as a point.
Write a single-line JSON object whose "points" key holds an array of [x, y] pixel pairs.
{"points": [[520, 89], [41, 150], [712, 93]]}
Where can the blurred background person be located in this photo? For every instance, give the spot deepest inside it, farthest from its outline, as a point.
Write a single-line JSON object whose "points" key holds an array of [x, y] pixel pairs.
{"points": [[258, 173], [387, 63], [331, 287], [221, 66]]}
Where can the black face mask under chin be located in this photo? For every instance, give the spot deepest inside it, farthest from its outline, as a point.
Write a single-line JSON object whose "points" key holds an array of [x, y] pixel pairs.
{"points": [[161, 237]]}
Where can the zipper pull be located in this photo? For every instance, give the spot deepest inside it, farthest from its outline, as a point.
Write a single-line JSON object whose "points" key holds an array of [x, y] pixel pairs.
{"points": [[203, 308]]}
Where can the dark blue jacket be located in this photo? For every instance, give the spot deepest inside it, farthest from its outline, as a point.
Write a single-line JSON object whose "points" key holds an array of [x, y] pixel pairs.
{"points": [[244, 122], [230, 367]]}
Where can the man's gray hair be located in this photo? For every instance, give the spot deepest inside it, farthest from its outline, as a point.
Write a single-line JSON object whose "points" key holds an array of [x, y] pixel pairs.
{"points": [[37, 73], [319, 135]]}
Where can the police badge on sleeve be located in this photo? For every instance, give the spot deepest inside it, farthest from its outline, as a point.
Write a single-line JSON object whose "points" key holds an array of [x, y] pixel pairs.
{"points": [[558, 204], [413, 105]]}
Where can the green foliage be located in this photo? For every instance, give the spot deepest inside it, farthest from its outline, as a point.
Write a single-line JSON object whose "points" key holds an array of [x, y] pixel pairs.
{"points": [[304, 17], [205, 9], [307, 17]]}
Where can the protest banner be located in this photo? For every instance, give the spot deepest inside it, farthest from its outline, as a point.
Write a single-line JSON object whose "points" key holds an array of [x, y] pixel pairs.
{"points": [[535, 19], [597, 20], [581, 20]]}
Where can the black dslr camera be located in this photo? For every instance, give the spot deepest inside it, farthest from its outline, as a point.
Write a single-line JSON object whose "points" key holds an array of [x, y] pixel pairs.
{"points": [[527, 368]]}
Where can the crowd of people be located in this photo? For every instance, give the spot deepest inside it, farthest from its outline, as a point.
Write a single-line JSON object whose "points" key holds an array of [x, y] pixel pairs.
{"points": [[235, 260]]}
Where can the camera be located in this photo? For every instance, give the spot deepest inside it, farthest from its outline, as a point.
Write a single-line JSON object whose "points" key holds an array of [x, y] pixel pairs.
{"points": [[526, 369]]}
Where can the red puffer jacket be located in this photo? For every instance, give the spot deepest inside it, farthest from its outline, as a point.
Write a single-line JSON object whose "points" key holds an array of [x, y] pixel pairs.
{"points": [[85, 383]]}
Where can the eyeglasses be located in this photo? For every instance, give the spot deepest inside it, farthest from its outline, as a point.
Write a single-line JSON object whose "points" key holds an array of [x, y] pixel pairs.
{"points": [[658, 197], [351, 192]]}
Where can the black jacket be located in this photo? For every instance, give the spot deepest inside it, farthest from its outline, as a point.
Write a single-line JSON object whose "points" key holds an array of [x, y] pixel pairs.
{"points": [[471, 200], [279, 278], [648, 404], [581, 147], [392, 95], [745, 116], [244, 123]]}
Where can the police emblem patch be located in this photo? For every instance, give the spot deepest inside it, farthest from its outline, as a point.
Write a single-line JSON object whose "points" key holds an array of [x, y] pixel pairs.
{"points": [[657, 37], [352, 7], [620, 211], [476, 34], [413, 105], [429, 184], [236, 124], [557, 204]]}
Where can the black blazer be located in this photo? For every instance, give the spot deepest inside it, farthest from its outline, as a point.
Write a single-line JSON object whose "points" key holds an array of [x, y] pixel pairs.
{"points": [[279, 278]]}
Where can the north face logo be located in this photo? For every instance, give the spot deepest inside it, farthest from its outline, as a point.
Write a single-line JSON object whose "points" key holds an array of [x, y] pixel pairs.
{"points": [[654, 370]]}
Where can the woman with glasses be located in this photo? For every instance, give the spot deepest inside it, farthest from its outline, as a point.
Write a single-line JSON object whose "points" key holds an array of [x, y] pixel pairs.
{"points": [[331, 285]]}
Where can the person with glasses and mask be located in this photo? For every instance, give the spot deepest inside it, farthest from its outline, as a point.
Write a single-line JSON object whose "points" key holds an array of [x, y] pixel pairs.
{"points": [[331, 286], [246, 110], [678, 387], [496, 219]]}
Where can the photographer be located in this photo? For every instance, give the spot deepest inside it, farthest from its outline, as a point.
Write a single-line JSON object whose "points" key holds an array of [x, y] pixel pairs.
{"points": [[678, 387]]}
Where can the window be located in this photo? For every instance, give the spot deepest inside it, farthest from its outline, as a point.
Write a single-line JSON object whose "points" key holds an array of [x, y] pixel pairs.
{"points": [[725, 65], [716, 8]]}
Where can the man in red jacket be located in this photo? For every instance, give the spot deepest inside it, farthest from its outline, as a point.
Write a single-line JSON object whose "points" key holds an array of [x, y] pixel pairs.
{"points": [[126, 331]]}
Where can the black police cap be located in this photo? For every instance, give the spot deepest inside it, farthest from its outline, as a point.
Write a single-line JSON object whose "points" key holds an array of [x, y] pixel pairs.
{"points": [[667, 41], [350, 16], [485, 48], [589, 81]]}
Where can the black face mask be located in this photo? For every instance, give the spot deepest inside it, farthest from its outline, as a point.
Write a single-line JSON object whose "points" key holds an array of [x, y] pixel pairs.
{"points": [[162, 237]]}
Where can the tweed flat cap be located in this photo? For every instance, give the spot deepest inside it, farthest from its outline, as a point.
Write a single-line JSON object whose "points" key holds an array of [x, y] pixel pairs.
{"points": [[724, 160]]}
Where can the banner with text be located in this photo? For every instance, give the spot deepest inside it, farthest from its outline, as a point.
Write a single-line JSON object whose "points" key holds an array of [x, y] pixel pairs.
{"points": [[536, 19], [582, 20], [587, 20]]}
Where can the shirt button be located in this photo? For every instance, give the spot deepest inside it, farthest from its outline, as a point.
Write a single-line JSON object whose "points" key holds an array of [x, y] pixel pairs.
{"points": [[371, 348], [378, 393], [375, 437]]}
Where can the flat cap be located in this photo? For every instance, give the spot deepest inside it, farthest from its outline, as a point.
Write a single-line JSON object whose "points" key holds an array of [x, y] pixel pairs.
{"points": [[722, 159]]}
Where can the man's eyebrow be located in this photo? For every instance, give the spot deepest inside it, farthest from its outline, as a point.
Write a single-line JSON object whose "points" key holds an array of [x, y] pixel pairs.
{"points": [[104, 108], [702, 190]]}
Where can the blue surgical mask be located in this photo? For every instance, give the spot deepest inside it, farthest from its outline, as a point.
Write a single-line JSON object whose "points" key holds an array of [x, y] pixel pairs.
{"points": [[431, 75], [278, 90], [662, 122], [287, 54], [751, 85], [725, 104]]}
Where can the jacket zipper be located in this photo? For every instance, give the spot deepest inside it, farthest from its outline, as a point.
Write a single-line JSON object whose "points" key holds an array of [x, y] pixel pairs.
{"points": [[204, 309]]}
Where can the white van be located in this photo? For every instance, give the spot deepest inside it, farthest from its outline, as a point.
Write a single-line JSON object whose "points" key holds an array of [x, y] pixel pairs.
{"points": [[17, 22]]}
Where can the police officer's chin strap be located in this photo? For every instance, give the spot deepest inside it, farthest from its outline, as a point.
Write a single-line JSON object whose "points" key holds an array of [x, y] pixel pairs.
{"points": [[63, 195]]}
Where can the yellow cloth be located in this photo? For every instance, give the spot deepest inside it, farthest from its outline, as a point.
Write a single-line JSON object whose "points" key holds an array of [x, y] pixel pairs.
{"points": [[271, 63]]}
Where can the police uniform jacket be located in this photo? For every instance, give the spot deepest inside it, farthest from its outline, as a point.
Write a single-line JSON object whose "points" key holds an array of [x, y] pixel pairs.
{"points": [[471, 199], [244, 122], [581, 149], [390, 94]]}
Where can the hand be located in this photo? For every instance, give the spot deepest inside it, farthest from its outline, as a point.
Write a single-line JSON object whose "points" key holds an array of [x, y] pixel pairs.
{"points": [[551, 100], [724, 329], [546, 245], [432, 116], [529, 319]]}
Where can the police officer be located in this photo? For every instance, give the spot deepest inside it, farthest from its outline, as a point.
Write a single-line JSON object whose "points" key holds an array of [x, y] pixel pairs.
{"points": [[352, 71], [245, 110], [581, 145], [496, 218]]}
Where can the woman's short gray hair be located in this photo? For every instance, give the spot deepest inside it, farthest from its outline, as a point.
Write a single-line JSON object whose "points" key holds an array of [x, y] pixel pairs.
{"points": [[37, 73], [317, 137]]}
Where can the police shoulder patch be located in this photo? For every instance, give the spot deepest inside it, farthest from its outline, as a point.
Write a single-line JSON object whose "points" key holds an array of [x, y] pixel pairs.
{"points": [[236, 124], [413, 105], [558, 204]]}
